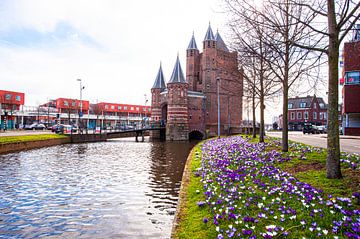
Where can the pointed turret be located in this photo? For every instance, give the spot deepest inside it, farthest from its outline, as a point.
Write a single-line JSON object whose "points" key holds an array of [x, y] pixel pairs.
{"points": [[192, 44], [160, 80], [220, 44], [177, 75], [209, 36]]}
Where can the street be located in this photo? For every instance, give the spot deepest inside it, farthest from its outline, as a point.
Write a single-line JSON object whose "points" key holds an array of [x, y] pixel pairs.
{"points": [[349, 144]]}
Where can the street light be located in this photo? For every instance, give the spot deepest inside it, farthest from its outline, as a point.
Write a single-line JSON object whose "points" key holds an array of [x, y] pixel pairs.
{"points": [[81, 88], [218, 102], [145, 116]]}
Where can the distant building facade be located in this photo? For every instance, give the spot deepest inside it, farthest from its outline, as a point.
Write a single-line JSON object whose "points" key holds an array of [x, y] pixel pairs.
{"points": [[15, 114], [351, 88], [189, 106], [10, 102], [309, 109]]}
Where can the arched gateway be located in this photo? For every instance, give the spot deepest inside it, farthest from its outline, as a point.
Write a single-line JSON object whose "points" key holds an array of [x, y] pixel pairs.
{"points": [[187, 107]]}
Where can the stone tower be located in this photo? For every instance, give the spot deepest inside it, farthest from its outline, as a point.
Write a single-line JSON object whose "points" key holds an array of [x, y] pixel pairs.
{"points": [[209, 74], [156, 114], [177, 126], [192, 64], [189, 106]]}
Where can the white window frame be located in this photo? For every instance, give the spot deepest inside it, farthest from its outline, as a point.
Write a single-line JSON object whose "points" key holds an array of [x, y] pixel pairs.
{"points": [[299, 114], [306, 115]]}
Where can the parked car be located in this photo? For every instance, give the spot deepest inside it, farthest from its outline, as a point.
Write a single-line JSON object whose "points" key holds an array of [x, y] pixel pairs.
{"points": [[310, 129], [65, 129], [35, 126], [321, 129]]}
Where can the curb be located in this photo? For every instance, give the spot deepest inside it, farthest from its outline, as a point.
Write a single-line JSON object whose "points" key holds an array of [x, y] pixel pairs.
{"points": [[27, 145], [185, 180]]}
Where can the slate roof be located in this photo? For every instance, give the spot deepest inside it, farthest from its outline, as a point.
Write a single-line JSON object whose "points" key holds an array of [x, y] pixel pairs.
{"points": [[160, 80], [307, 100], [220, 44], [192, 44], [177, 75], [209, 36]]}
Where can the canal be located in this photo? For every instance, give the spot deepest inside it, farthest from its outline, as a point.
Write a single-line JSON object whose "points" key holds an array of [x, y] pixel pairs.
{"points": [[114, 189]]}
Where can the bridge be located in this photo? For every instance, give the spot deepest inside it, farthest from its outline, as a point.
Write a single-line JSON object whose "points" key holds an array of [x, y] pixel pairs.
{"points": [[138, 133]]}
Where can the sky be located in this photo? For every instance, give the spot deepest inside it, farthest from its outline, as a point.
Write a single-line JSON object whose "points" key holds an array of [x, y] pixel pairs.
{"points": [[115, 47]]}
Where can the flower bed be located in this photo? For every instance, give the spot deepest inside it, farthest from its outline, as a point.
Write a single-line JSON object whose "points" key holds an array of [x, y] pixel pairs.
{"points": [[248, 196]]}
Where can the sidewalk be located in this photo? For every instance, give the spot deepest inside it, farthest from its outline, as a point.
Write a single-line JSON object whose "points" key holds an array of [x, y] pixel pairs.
{"points": [[344, 137], [23, 132]]}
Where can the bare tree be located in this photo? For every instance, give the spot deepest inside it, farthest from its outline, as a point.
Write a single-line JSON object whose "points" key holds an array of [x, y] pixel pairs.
{"points": [[289, 63], [250, 40], [332, 22]]}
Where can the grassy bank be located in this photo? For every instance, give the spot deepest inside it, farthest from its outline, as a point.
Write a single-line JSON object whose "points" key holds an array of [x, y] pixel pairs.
{"points": [[240, 189], [27, 138]]}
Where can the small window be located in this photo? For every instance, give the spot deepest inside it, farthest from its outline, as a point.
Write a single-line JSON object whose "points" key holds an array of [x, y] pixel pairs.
{"points": [[144, 109], [125, 107], [149, 109], [66, 103], [73, 103], [315, 115], [306, 115], [290, 106], [112, 107], [106, 107], [303, 105], [132, 108], [119, 107], [322, 106], [314, 105], [299, 115], [18, 98], [137, 108], [292, 115], [8, 96]]}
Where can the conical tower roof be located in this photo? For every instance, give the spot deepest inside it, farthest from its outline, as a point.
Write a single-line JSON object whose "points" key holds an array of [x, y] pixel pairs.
{"points": [[209, 36], [220, 44], [177, 75], [192, 44], [160, 80]]}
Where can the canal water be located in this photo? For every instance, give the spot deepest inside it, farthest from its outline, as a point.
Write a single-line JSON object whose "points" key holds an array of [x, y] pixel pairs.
{"points": [[114, 189]]}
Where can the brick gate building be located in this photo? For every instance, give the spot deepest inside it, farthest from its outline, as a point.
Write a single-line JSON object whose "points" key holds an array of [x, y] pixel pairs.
{"points": [[188, 106]]}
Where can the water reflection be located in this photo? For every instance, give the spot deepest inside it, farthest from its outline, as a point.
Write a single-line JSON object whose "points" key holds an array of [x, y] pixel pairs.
{"points": [[117, 189]]}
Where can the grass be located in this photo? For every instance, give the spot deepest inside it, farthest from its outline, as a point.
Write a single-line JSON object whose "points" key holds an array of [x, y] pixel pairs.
{"points": [[307, 164], [191, 224], [27, 138]]}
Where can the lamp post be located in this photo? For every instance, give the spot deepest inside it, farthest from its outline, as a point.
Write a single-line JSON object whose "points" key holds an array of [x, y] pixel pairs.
{"points": [[145, 116], [81, 88], [218, 103]]}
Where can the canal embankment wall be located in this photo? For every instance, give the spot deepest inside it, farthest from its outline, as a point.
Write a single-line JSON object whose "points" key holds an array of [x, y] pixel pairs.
{"points": [[20, 146], [185, 181]]}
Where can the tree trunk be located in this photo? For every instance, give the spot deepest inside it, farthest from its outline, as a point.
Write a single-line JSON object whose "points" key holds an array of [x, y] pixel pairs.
{"points": [[333, 145], [262, 128], [253, 116], [285, 135]]}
